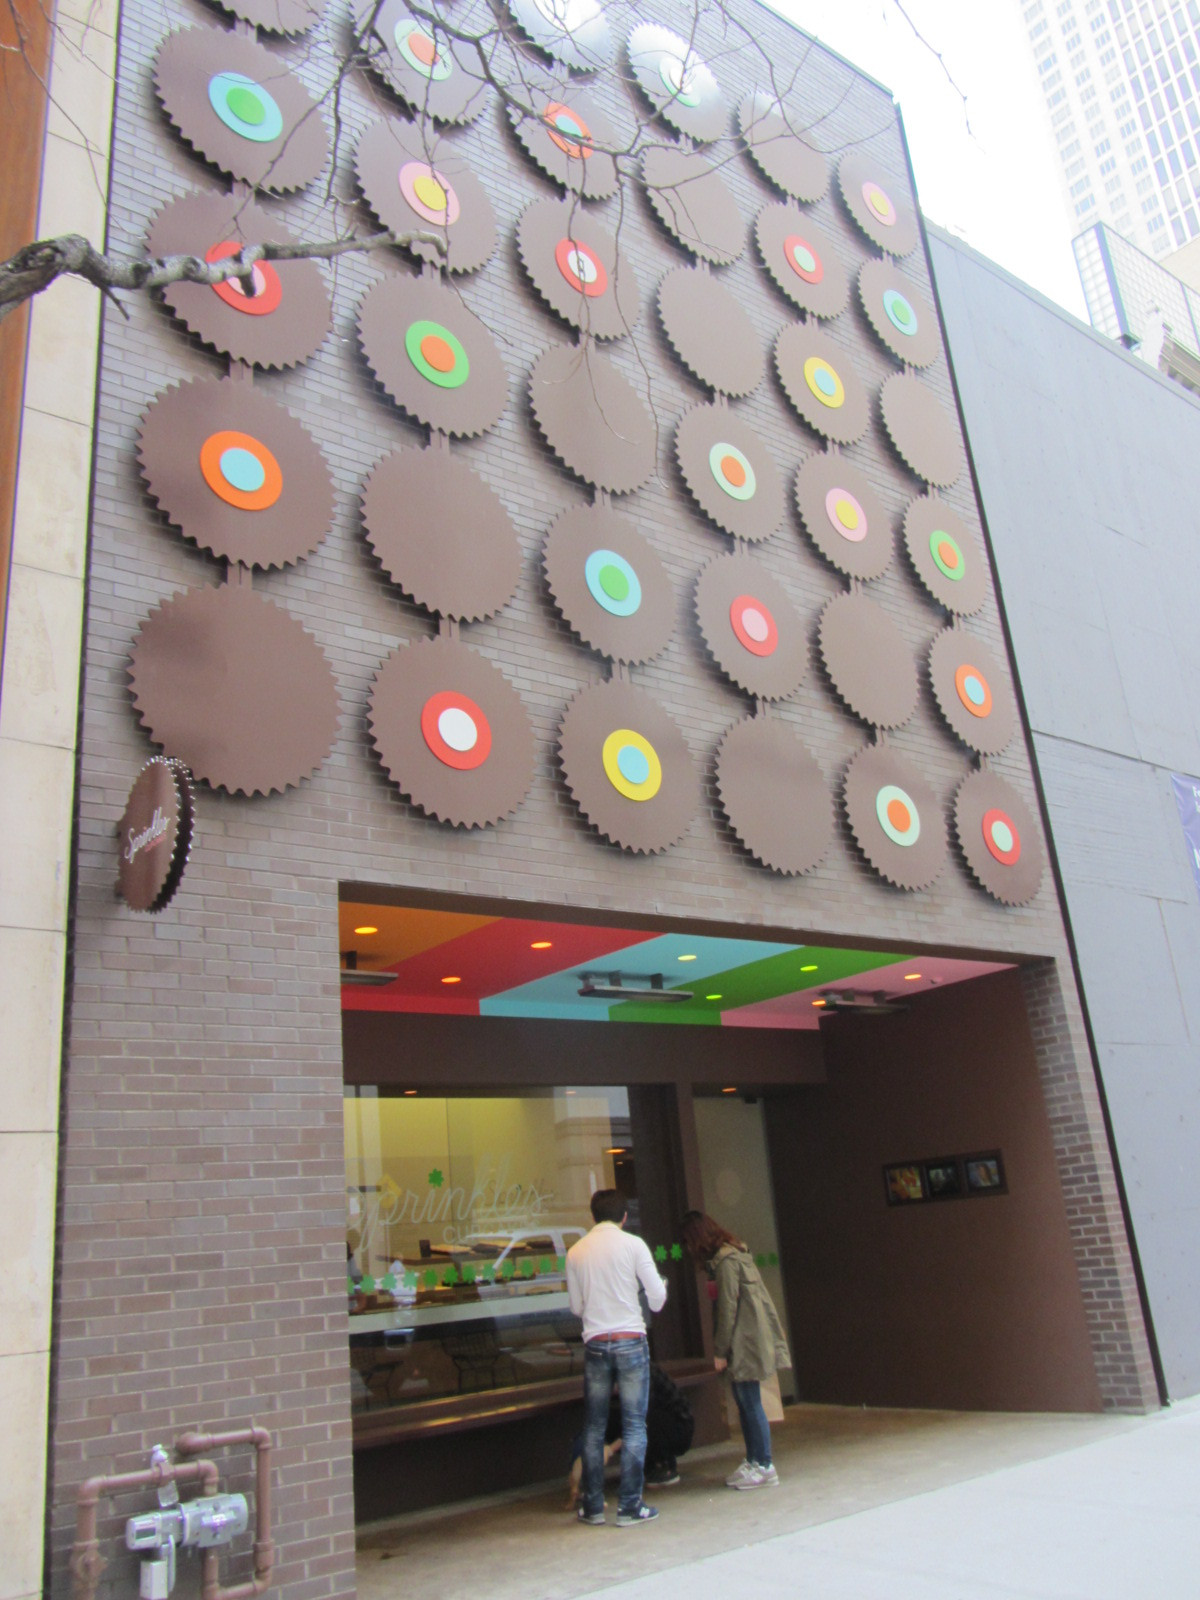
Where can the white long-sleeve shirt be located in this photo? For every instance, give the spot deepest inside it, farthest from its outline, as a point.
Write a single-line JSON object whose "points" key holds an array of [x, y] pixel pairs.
{"points": [[603, 1272]]}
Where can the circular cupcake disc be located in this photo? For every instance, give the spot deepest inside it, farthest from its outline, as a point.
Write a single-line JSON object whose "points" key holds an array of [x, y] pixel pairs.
{"points": [[903, 319], [972, 691], [592, 418], [577, 268], [774, 794], [822, 386], [774, 138], [895, 818], [609, 584], [946, 555], [694, 203], [1000, 838], [924, 432], [710, 332], [868, 660], [677, 83], [802, 260], [879, 205], [843, 516], [414, 181], [729, 473], [753, 631], [433, 75]]}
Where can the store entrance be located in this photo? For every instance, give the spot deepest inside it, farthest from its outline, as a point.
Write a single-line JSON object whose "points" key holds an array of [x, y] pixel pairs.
{"points": [[735, 1174]]}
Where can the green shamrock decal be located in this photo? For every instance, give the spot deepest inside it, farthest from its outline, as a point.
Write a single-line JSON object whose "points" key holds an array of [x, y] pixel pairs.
{"points": [[388, 1282], [436, 1178], [676, 1252], [368, 1284], [430, 1279], [760, 1261], [545, 1264], [772, 1259], [527, 1268], [449, 1277], [508, 1269], [560, 1263], [660, 1252], [488, 1272], [468, 1274], [410, 1280]]}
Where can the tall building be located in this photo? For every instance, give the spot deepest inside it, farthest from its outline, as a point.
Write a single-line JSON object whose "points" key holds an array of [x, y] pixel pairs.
{"points": [[1122, 85], [1141, 303]]}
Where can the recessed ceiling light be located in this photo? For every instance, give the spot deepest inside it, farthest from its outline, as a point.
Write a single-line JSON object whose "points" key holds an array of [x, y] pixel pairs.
{"points": [[451, 980], [730, 1090], [714, 997], [366, 930], [685, 958], [541, 944], [912, 977], [617, 1150], [812, 968], [818, 1003], [410, 1091]]}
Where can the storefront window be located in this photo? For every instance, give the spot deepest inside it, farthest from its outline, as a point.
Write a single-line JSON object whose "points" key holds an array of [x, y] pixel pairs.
{"points": [[459, 1215]]}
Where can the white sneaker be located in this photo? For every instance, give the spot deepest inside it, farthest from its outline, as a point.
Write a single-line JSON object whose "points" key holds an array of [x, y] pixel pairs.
{"points": [[734, 1478], [759, 1478]]}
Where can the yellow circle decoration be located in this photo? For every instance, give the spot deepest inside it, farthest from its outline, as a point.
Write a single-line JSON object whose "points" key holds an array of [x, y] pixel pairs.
{"points": [[631, 764]]}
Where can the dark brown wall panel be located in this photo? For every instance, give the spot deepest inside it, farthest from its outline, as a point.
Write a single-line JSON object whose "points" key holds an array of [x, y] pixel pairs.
{"points": [[971, 1303]]}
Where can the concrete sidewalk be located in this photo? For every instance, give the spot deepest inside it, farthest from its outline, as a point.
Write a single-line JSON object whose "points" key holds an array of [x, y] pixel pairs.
{"points": [[1116, 1519], [932, 1505]]}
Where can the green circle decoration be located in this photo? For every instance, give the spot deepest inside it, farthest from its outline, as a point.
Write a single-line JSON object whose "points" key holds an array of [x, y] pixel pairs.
{"points": [[437, 354]]}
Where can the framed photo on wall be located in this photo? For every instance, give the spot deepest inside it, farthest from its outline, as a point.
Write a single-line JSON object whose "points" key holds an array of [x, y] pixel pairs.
{"points": [[944, 1178], [985, 1173], [904, 1183]]}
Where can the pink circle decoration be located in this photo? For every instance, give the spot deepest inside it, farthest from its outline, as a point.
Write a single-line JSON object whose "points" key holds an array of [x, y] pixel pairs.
{"points": [[753, 625]]}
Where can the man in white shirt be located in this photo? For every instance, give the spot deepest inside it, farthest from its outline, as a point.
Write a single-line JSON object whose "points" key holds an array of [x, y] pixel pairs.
{"points": [[604, 1271]]}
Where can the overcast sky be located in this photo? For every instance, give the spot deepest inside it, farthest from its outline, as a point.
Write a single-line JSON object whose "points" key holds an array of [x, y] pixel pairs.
{"points": [[995, 185]]}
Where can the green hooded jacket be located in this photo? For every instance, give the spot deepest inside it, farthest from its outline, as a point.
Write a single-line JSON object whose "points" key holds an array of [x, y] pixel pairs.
{"points": [[748, 1333]]}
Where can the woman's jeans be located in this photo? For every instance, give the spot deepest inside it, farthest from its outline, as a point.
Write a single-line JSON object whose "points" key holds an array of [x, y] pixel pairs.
{"points": [[755, 1428], [627, 1363]]}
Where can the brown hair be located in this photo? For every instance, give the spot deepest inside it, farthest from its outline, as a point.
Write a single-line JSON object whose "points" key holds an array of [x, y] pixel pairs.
{"points": [[702, 1237]]}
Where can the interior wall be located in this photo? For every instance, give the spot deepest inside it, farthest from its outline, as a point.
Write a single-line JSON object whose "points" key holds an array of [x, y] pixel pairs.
{"points": [[969, 1303]]}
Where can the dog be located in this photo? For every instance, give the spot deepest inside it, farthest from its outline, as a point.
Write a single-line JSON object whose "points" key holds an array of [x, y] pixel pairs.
{"points": [[575, 1476]]}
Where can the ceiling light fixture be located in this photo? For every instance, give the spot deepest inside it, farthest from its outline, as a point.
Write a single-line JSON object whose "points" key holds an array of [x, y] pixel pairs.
{"points": [[451, 980], [912, 977], [731, 1090], [714, 997], [541, 944], [628, 986], [685, 958], [811, 968], [364, 931]]}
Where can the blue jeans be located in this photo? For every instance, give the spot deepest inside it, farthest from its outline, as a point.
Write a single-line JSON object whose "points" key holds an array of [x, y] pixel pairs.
{"points": [[627, 1362], [756, 1430]]}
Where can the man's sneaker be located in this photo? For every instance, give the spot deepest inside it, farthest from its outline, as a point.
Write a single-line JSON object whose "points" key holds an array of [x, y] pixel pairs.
{"points": [[662, 1479], [630, 1519], [594, 1519], [759, 1478], [734, 1478]]}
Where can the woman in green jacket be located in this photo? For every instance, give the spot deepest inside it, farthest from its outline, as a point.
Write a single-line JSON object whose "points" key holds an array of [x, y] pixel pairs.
{"points": [[748, 1339]]}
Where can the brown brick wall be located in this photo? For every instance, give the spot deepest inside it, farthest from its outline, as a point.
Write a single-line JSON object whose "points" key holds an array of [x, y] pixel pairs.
{"points": [[202, 1243]]}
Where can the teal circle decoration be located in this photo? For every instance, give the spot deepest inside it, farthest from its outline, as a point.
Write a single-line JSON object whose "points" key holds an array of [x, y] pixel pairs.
{"points": [[242, 470], [900, 312], [903, 831], [245, 107], [613, 585], [633, 765]]}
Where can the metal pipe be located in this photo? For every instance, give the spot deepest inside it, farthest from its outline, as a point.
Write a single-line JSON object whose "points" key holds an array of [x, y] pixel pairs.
{"points": [[86, 1561], [190, 1444]]}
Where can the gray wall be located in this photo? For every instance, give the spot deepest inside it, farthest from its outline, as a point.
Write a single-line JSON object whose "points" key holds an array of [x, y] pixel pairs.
{"points": [[1086, 461]]}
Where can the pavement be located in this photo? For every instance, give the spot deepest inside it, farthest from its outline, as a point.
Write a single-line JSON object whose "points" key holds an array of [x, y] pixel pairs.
{"points": [[872, 1504]]}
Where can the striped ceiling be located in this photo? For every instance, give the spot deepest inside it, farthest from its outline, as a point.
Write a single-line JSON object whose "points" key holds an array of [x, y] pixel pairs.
{"points": [[458, 964]]}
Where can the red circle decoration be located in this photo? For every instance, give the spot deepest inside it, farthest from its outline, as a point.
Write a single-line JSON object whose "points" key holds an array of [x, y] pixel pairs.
{"points": [[1007, 857], [268, 291], [566, 251], [432, 712], [754, 625]]}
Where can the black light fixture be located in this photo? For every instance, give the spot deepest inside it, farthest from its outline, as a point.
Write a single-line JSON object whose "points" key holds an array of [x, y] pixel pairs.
{"points": [[627, 986], [351, 974], [847, 1002]]}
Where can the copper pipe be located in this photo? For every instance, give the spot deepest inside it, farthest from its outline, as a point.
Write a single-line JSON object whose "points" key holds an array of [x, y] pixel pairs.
{"points": [[86, 1561], [189, 1444]]}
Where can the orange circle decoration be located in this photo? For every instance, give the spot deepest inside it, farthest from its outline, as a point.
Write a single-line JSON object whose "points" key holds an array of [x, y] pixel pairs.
{"points": [[973, 690], [971, 687], [568, 130], [268, 290], [456, 730], [241, 470], [234, 471]]}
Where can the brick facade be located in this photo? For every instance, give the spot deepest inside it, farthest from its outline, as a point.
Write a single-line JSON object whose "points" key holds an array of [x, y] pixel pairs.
{"points": [[201, 1273]]}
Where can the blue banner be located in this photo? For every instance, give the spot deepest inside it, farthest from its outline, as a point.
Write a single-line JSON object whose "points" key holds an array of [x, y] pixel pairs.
{"points": [[1187, 798]]}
